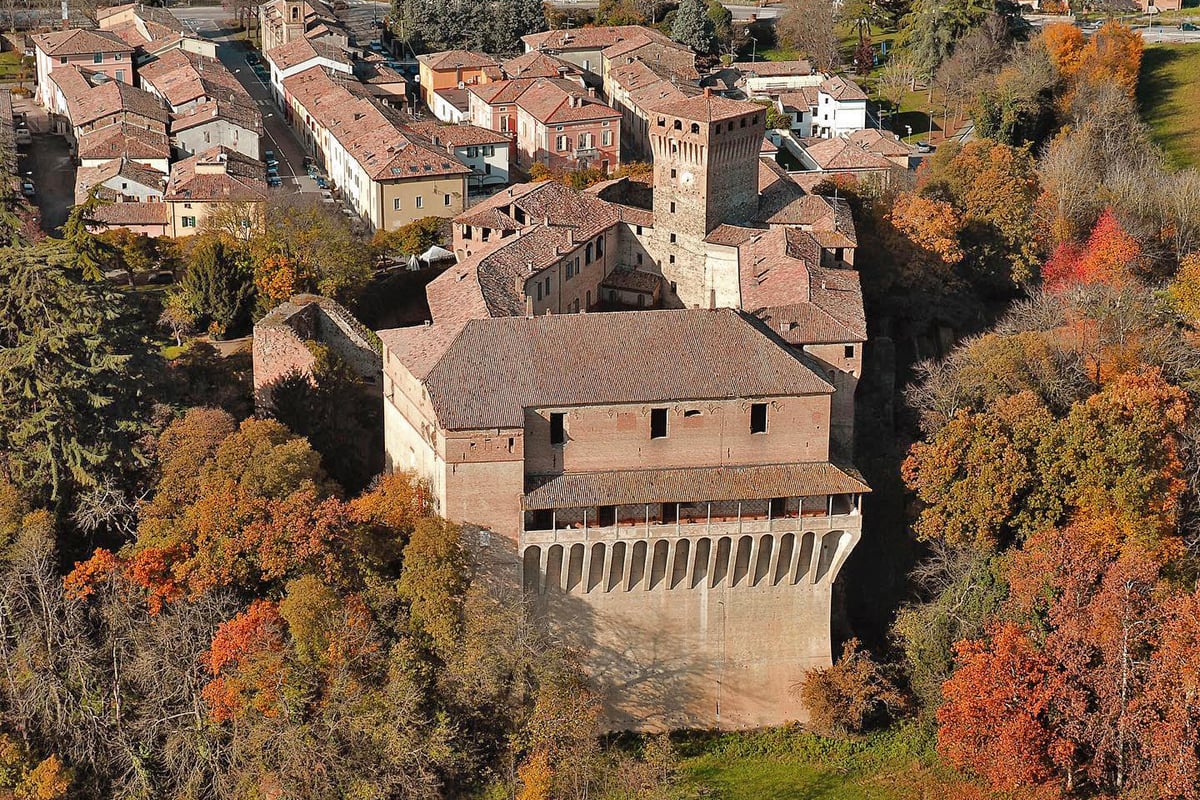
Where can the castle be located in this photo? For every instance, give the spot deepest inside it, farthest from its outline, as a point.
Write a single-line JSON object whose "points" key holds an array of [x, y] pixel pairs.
{"points": [[670, 482]]}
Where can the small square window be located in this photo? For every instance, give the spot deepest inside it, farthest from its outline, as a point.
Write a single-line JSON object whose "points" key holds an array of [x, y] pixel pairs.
{"points": [[758, 418], [395, 204], [558, 431], [672, 173], [658, 423], [420, 202], [672, 259], [672, 209], [672, 235], [849, 351], [446, 199]]}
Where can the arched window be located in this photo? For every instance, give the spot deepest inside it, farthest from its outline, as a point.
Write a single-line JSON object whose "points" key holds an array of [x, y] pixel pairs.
{"points": [[695, 128], [678, 125]]}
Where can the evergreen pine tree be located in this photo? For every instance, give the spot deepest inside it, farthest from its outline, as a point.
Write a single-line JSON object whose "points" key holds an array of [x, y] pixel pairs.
{"points": [[693, 27]]}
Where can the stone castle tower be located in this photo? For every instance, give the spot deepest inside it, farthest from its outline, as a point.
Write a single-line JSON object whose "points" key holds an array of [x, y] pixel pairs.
{"points": [[705, 174]]}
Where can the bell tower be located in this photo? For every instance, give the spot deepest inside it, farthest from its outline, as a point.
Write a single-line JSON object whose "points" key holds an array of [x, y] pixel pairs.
{"points": [[293, 21]]}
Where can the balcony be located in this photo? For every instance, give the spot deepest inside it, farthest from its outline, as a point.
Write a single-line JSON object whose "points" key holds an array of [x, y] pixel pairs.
{"points": [[706, 518]]}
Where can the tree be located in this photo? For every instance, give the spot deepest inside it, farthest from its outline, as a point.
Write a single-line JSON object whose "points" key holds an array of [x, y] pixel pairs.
{"points": [[68, 404], [1184, 290], [92, 255], [693, 27], [897, 79], [311, 248], [845, 697], [930, 224], [216, 286], [1110, 256], [411, 239], [808, 26], [996, 717], [722, 23]]}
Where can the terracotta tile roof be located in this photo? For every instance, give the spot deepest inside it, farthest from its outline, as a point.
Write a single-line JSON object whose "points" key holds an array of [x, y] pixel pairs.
{"points": [[242, 179], [841, 154], [129, 33], [77, 41], [708, 108], [692, 484], [458, 98], [632, 280], [300, 50], [239, 113], [440, 135], [842, 89], [501, 92], [726, 235], [124, 139], [768, 275], [772, 69], [536, 64], [876, 141], [73, 81], [181, 77], [591, 38], [805, 323], [768, 146], [496, 368], [804, 99], [633, 215], [115, 97], [457, 59], [490, 218], [131, 171], [552, 101], [375, 136], [647, 88], [670, 60], [118, 215]]}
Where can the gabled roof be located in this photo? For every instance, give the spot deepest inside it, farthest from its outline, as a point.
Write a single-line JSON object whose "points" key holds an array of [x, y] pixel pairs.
{"points": [[301, 50], [841, 89], [457, 59], [442, 135], [117, 97], [594, 38], [536, 64], [876, 141], [243, 114], [240, 178], [804, 99], [494, 369], [181, 76], [842, 154], [123, 139], [771, 69], [77, 42], [123, 168], [117, 215], [549, 101]]}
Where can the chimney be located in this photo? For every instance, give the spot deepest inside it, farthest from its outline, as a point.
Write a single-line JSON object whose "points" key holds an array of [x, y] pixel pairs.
{"points": [[529, 269], [708, 91], [528, 304], [570, 236]]}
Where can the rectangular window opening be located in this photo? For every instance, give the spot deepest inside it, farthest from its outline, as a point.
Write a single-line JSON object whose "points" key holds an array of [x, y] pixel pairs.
{"points": [[558, 431], [758, 418], [658, 423]]}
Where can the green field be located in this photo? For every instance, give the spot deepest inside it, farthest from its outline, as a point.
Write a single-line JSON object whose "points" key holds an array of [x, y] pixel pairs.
{"points": [[788, 764], [1169, 94]]}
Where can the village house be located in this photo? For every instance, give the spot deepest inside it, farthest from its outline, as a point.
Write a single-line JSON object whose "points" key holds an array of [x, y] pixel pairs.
{"points": [[536, 64], [299, 56], [584, 47], [445, 76], [825, 158], [96, 51], [386, 174], [217, 179], [841, 108], [132, 195], [123, 140], [485, 152], [209, 106], [152, 31]]}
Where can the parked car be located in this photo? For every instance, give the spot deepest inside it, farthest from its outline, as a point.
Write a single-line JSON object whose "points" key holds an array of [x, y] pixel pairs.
{"points": [[274, 181], [269, 157], [272, 171], [322, 183], [252, 58], [23, 136], [1189, 26], [27, 188]]}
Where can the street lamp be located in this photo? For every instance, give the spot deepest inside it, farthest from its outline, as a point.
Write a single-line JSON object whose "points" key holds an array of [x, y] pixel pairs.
{"points": [[753, 49]]}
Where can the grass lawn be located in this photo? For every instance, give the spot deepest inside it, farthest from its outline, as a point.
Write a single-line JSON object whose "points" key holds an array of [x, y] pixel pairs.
{"points": [[788, 764], [1169, 94]]}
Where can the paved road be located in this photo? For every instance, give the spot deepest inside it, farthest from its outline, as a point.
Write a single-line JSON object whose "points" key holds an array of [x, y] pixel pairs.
{"points": [[278, 135]]}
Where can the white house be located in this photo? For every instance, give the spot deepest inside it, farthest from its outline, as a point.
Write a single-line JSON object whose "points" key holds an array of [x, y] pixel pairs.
{"points": [[300, 55], [841, 108]]}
